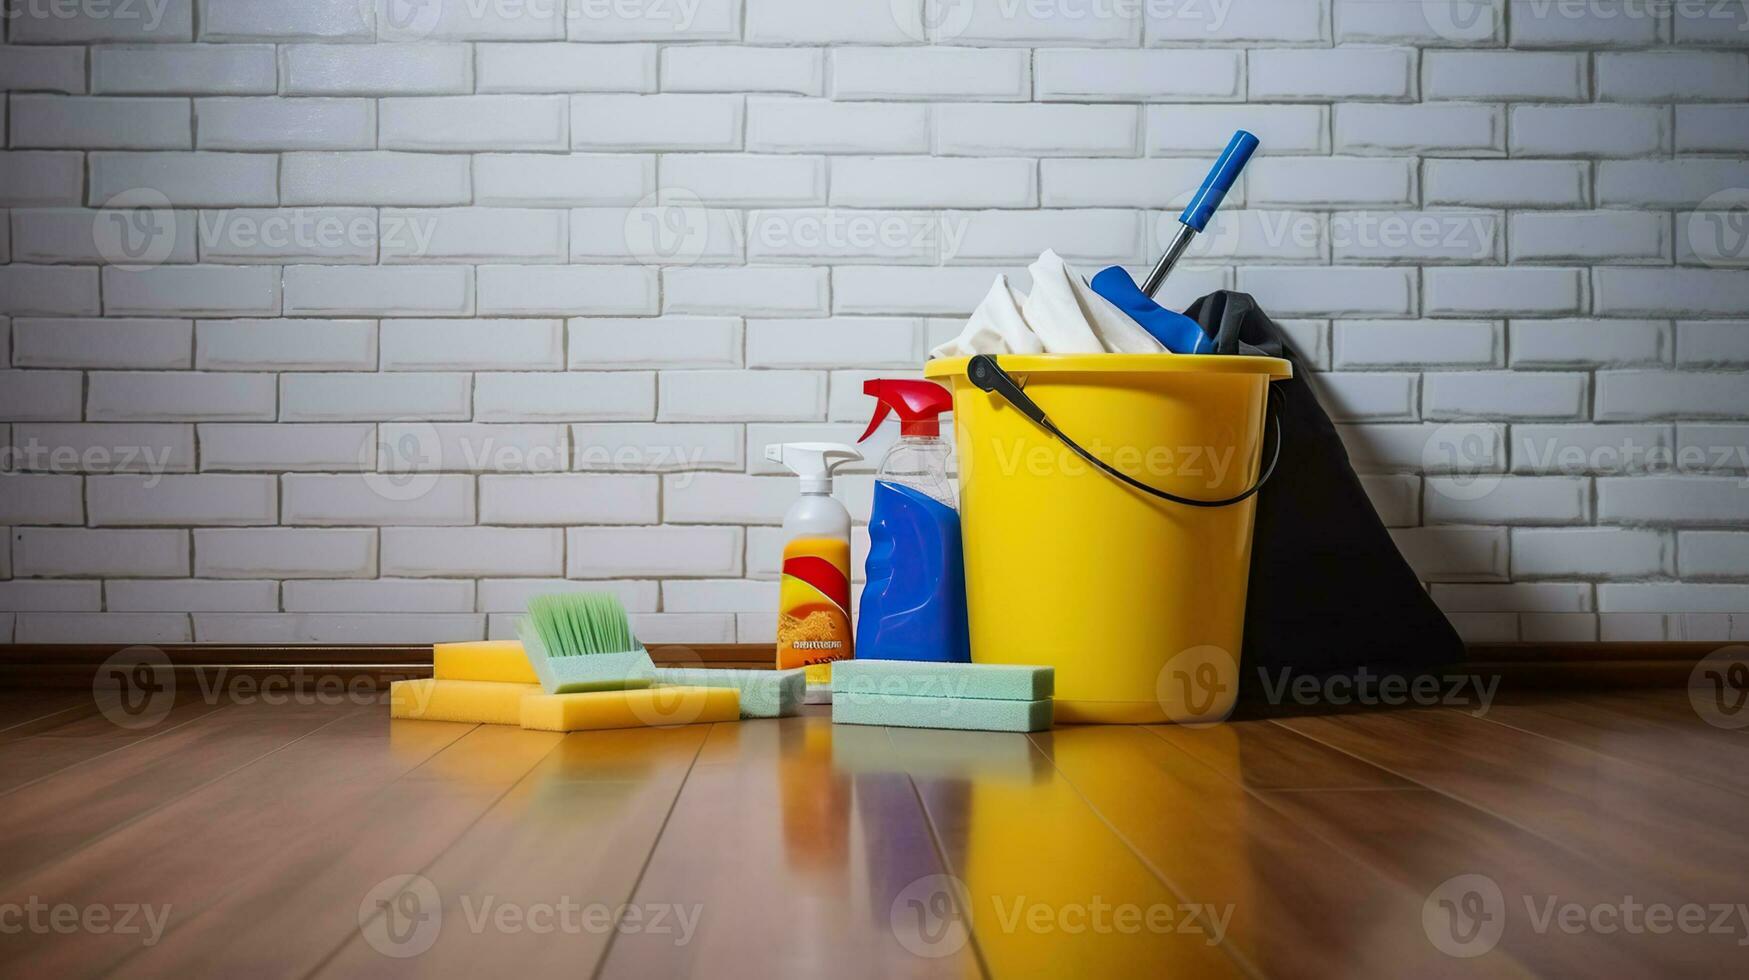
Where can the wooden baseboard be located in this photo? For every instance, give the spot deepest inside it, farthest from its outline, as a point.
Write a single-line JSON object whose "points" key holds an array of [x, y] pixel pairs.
{"points": [[309, 654], [1571, 666], [76, 665], [1546, 653], [1519, 665]]}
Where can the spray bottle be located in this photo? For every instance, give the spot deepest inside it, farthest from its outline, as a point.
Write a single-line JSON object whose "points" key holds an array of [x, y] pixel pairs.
{"points": [[813, 620], [914, 605]]}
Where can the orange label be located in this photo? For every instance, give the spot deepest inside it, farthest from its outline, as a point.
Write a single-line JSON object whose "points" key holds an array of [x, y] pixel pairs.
{"points": [[813, 621]]}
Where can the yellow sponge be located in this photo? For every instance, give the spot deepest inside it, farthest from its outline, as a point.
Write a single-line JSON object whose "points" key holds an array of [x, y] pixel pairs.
{"points": [[652, 706], [478, 702], [492, 660]]}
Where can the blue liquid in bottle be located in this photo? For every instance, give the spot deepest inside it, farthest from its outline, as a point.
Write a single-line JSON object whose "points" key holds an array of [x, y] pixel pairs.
{"points": [[914, 606]]}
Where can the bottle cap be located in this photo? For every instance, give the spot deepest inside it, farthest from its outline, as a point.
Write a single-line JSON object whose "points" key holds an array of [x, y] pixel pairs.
{"points": [[812, 461], [919, 403]]}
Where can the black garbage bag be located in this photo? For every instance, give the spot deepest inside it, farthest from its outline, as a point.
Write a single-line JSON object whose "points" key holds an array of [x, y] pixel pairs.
{"points": [[1329, 592]]}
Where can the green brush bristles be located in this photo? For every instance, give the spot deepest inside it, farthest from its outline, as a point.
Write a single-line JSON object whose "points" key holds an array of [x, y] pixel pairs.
{"points": [[579, 623]]}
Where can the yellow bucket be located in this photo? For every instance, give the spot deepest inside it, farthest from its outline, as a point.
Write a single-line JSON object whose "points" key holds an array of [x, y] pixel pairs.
{"points": [[1138, 602]]}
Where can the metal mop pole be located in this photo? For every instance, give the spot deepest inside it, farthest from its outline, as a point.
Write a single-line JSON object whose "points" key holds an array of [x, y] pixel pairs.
{"points": [[1180, 242], [1202, 206]]}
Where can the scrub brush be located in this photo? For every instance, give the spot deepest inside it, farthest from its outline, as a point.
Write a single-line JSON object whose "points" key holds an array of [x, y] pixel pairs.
{"points": [[582, 641]]}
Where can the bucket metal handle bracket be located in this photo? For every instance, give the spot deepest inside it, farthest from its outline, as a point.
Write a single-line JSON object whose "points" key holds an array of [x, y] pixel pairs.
{"points": [[987, 375]]}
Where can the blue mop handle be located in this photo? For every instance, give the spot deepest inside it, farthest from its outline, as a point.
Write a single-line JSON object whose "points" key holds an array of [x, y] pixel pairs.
{"points": [[1219, 181], [1202, 205]]}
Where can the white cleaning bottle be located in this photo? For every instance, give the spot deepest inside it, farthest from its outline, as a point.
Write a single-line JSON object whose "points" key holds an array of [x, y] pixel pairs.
{"points": [[813, 619]]}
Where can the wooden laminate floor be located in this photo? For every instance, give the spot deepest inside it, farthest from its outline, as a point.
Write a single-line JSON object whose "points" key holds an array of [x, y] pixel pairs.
{"points": [[1584, 834]]}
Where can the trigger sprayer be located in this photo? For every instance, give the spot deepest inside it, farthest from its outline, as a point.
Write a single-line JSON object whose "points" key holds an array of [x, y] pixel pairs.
{"points": [[812, 461], [919, 458]]}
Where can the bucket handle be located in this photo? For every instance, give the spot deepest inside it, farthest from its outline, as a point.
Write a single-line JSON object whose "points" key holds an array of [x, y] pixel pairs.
{"points": [[989, 376]]}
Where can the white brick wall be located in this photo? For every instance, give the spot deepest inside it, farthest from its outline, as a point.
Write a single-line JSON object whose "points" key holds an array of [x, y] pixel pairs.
{"points": [[431, 315]]}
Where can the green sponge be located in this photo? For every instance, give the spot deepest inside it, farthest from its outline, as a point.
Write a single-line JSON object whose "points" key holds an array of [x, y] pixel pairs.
{"points": [[994, 682], [910, 711], [764, 693]]}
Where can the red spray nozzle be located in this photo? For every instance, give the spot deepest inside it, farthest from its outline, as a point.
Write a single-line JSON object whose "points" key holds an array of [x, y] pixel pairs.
{"points": [[917, 402]]}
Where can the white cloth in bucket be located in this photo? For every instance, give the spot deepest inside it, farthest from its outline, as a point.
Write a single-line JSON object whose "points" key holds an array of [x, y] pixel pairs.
{"points": [[1063, 315], [996, 327]]}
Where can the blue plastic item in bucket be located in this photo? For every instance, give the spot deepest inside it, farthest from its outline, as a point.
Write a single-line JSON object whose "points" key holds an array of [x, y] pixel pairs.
{"points": [[1177, 332]]}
